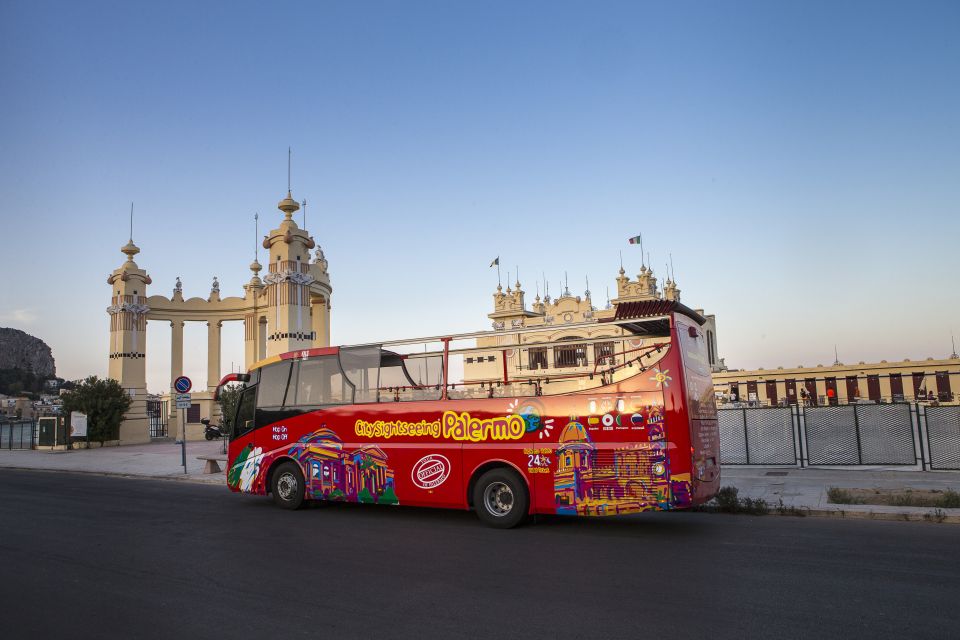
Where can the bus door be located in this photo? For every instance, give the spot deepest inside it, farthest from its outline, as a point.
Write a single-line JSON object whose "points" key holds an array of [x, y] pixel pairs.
{"points": [[702, 410]]}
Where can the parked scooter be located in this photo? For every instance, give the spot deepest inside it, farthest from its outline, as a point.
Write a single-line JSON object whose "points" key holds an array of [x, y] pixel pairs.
{"points": [[211, 431]]}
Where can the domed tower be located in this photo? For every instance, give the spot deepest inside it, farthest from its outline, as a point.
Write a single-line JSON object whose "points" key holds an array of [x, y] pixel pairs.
{"points": [[128, 339], [295, 290], [575, 457]]}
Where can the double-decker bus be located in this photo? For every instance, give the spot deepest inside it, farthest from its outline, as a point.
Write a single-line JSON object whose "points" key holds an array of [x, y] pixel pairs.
{"points": [[635, 430]]}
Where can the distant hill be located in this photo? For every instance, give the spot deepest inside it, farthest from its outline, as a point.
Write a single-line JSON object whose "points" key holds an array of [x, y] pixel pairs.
{"points": [[23, 352]]}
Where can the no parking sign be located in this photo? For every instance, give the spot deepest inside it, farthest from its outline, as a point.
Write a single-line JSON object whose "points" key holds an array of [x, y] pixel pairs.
{"points": [[182, 384]]}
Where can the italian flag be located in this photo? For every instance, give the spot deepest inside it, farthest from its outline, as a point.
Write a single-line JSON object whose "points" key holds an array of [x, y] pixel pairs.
{"points": [[635, 239]]}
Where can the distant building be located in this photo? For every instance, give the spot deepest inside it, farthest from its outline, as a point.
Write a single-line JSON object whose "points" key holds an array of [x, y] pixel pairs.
{"points": [[903, 381]]}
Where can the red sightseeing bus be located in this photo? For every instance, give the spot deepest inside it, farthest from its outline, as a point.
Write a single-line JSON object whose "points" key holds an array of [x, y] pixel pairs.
{"points": [[634, 430]]}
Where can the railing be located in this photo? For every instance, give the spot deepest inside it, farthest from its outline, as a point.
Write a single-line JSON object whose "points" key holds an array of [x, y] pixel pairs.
{"points": [[870, 434]]}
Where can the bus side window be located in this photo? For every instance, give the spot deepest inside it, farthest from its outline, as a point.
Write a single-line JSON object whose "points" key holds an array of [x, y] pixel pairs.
{"points": [[320, 382], [245, 412], [273, 384], [362, 367]]}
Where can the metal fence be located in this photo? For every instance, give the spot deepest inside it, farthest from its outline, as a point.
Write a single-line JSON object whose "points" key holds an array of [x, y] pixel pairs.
{"points": [[17, 434], [895, 434], [943, 436], [757, 436]]}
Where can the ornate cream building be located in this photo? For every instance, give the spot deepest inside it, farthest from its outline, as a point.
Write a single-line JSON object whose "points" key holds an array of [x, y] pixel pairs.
{"points": [[575, 351], [288, 309]]}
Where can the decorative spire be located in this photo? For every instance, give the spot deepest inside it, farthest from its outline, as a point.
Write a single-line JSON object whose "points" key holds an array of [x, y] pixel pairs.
{"points": [[256, 234], [130, 249], [566, 284], [953, 354], [587, 292], [289, 206]]}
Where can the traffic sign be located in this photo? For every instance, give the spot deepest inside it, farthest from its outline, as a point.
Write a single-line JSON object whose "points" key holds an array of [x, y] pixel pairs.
{"points": [[184, 401], [182, 384]]}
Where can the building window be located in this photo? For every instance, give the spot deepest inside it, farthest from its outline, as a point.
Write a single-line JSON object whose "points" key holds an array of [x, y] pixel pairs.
{"points": [[603, 353], [944, 394], [570, 355], [537, 357], [710, 349]]}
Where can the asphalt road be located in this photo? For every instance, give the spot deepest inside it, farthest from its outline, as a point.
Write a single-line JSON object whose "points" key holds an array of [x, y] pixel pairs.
{"points": [[94, 557]]}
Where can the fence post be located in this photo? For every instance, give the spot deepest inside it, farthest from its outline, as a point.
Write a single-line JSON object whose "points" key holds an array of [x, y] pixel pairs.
{"points": [[795, 422], [746, 442], [923, 435], [856, 425], [917, 442]]}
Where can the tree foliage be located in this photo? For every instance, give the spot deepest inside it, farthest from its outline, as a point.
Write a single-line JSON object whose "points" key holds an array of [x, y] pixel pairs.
{"points": [[104, 401]]}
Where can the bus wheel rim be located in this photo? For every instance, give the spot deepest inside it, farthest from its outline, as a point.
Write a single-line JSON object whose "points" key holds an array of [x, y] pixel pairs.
{"points": [[498, 499], [287, 486]]}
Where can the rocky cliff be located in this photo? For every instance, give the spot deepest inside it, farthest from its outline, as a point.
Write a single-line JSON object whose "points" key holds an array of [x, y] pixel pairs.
{"points": [[19, 350]]}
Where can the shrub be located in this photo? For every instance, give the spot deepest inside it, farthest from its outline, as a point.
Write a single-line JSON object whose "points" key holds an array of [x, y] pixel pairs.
{"points": [[104, 401], [836, 495], [950, 499], [727, 500]]}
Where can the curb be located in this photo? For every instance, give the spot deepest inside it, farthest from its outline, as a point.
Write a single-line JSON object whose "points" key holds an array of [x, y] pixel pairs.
{"points": [[801, 512], [129, 476], [907, 516]]}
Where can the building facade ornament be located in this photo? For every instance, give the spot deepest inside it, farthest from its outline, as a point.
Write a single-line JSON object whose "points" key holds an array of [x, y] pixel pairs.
{"points": [[288, 275], [136, 308]]}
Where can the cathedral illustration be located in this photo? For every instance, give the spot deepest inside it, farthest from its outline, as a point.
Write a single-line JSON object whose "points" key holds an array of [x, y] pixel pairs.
{"points": [[595, 481]]}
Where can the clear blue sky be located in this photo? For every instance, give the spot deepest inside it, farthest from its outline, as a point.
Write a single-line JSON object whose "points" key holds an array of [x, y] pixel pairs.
{"points": [[801, 161]]}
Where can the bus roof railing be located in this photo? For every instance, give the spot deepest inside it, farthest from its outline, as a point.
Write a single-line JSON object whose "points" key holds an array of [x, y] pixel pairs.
{"points": [[626, 324], [525, 345]]}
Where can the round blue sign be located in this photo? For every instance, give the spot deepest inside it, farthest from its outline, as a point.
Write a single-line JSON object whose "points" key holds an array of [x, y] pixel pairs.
{"points": [[182, 384]]}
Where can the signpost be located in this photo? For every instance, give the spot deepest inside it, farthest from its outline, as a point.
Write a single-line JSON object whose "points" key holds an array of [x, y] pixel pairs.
{"points": [[182, 386]]}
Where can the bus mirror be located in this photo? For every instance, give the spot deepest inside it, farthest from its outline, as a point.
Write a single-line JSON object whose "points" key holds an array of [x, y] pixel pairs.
{"points": [[692, 331]]}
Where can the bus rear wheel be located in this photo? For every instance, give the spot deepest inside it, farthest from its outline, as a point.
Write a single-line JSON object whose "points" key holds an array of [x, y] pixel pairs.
{"points": [[287, 486], [500, 499]]}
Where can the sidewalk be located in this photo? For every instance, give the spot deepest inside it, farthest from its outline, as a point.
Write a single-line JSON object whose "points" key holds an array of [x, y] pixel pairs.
{"points": [[806, 489], [154, 460]]}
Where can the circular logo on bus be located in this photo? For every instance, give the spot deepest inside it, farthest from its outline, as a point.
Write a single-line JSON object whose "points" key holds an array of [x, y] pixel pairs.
{"points": [[430, 471]]}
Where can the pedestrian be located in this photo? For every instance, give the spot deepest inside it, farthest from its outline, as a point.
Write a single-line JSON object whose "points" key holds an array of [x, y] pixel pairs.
{"points": [[803, 397]]}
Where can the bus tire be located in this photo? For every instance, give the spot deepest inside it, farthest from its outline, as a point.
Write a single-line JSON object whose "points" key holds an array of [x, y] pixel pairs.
{"points": [[287, 486], [500, 499]]}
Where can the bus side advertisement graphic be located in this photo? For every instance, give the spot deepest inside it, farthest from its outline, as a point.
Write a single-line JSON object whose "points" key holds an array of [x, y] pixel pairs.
{"points": [[460, 427]]}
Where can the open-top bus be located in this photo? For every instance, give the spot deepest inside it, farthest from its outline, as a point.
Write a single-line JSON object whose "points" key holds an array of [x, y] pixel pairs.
{"points": [[635, 431]]}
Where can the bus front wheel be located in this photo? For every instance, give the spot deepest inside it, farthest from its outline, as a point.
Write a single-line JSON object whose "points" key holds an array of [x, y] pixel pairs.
{"points": [[500, 499], [287, 486]]}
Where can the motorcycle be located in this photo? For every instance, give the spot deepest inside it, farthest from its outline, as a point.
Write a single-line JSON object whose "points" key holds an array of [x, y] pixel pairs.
{"points": [[211, 431]]}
